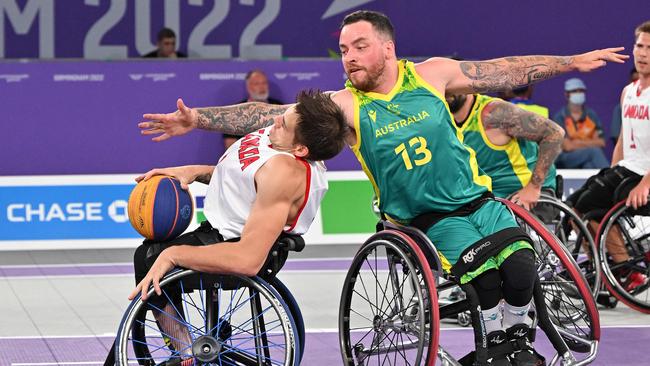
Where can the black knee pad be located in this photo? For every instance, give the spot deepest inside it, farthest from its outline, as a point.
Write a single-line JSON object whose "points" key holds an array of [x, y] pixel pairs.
{"points": [[519, 274], [488, 288]]}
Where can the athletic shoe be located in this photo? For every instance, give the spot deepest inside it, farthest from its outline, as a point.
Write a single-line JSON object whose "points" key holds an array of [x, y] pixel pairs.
{"points": [[524, 354], [497, 339], [634, 281]]}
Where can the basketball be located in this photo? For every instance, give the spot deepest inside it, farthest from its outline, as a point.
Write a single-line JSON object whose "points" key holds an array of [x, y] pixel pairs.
{"points": [[159, 209]]}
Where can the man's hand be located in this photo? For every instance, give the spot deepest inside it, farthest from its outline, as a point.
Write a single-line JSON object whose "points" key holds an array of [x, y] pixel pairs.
{"points": [[185, 174], [527, 196], [163, 264], [638, 197], [596, 59], [182, 121]]}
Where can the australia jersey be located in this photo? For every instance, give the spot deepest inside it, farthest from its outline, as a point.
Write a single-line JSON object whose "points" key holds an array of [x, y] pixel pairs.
{"points": [[636, 129], [411, 150], [511, 165], [232, 189]]}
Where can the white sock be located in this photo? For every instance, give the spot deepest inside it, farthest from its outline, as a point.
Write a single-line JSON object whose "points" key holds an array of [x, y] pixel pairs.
{"points": [[514, 314], [492, 319]]}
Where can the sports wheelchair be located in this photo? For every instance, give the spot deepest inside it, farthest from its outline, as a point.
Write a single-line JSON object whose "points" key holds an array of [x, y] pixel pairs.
{"points": [[633, 227], [230, 319], [389, 311]]}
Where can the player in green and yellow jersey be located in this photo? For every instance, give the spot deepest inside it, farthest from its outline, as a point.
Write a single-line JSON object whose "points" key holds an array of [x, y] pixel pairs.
{"points": [[405, 138], [515, 147]]}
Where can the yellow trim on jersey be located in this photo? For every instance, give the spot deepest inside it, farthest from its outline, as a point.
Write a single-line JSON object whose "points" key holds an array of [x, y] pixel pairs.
{"points": [[398, 85], [516, 158], [356, 148], [482, 180]]}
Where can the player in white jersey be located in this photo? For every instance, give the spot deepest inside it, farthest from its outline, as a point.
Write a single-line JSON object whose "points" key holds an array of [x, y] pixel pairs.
{"points": [[271, 181], [631, 156]]}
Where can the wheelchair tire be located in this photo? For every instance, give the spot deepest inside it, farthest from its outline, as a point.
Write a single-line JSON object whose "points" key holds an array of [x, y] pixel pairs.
{"points": [[574, 234], [294, 309], [389, 308], [568, 298], [635, 230], [230, 319]]}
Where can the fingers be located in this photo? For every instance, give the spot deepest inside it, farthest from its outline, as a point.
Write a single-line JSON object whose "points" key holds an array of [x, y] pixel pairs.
{"points": [[156, 286], [162, 137], [181, 106], [134, 293], [153, 116]]}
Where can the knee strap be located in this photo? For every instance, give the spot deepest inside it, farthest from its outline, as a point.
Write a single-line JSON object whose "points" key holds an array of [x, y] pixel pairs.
{"points": [[476, 254]]}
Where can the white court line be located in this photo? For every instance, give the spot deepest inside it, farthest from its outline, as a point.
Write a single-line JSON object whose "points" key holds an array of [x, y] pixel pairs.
{"points": [[109, 264], [308, 330]]}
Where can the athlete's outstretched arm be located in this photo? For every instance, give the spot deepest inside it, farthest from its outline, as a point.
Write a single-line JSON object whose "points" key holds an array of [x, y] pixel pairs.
{"points": [[464, 77], [235, 119], [522, 124]]}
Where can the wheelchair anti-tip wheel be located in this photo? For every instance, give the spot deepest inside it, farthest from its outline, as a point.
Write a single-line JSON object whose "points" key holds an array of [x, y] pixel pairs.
{"points": [[208, 319]]}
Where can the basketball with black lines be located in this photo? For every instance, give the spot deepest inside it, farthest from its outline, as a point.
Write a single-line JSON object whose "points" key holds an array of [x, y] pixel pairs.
{"points": [[159, 209]]}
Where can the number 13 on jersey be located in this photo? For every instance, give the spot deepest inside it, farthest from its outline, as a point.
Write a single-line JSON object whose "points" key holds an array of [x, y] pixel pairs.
{"points": [[421, 156]]}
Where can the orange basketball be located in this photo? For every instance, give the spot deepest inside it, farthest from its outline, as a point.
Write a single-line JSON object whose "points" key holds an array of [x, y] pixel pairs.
{"points": [[159, 209]]}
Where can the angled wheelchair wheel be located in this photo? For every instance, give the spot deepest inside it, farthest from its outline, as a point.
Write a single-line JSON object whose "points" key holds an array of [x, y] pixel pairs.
{"points": [[294, 309], [567, 226], [216, 320], [564, 290], [389, 309], [627, 281]]}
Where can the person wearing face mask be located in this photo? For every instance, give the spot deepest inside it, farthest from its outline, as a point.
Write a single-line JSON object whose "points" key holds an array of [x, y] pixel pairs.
{"points": [[583, 143], [257, 89]]}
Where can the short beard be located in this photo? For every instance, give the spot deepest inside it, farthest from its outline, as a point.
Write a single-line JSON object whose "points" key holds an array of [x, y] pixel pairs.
{"points": [[372, 80]]}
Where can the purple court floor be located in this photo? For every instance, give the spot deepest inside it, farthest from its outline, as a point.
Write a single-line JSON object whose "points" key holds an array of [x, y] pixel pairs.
{"points": [[619, 346]]}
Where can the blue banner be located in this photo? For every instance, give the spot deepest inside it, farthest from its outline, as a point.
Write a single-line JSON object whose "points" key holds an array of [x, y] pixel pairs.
{"points": [[65, 212]]}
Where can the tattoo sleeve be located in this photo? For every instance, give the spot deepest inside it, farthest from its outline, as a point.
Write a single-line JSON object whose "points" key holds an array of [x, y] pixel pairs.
{"points": [[519, 123], [239, 119], [512, 72]]}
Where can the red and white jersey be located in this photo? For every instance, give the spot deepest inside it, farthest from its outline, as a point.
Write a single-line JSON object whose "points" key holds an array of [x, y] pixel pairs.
{"points": [[636, 129], [231, 191]]}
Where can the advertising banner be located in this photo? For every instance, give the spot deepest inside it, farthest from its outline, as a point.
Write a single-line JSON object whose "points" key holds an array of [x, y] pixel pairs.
{"points": [[90, 211]]}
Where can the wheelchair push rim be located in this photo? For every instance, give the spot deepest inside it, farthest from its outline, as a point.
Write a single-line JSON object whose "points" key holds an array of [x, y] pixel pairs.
{"points": [[233, 320], [389, 311]]}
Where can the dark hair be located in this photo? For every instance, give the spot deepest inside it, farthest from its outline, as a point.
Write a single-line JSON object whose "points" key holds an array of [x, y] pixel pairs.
{"points": [[250, 73], [165, 33], [321, 125], [642, 28], [379, 21]]}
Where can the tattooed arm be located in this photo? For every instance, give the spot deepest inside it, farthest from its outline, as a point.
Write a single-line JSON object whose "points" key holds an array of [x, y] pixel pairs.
{"points": [[518, 123], [236, 119], [464, 77]]}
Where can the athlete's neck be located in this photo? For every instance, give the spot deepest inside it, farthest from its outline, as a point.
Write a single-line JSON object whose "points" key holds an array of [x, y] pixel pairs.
{"points": [[644, 81], [462, 114], [388, 78]]}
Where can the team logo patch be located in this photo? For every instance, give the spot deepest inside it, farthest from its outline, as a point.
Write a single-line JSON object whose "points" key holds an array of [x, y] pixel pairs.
{"points": [[373, 115]]}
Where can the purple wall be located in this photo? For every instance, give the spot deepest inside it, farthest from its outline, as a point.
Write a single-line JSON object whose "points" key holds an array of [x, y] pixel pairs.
{"points": [[53, 125], [86, 127]]}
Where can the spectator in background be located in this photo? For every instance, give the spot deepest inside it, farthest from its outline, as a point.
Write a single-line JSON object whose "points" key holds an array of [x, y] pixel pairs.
{"points": [[166, 43], [583, 143], [522, 98], [257, 88], [615, 126]]}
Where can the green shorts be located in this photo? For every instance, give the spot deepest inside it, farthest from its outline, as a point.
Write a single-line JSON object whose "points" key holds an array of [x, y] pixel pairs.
{"points": [[452, 235]]}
